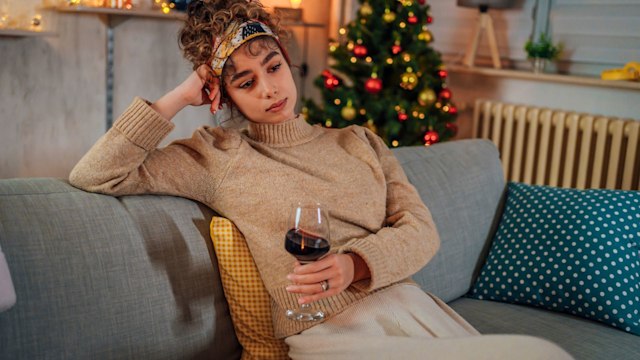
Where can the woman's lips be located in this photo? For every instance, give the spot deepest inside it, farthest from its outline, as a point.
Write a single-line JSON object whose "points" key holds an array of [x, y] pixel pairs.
{"points": [[277, 106]]}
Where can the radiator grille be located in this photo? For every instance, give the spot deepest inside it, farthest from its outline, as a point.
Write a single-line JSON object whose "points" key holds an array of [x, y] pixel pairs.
{"points": [[559, 148]]}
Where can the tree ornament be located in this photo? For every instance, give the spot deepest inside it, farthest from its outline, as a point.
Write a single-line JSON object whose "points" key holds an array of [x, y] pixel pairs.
{"points": [[453, 110], [373, 85], [429, 19], [412, 19], [409, 80], [443, 74], [406, 3], [426, 97], [360, 51], [366, 10], [431, 137], [330, 80], [348, 112], [445, 94], [425, 35], [388, 16], [452, 128], [396, 49], [422, 2], [402, 116]]}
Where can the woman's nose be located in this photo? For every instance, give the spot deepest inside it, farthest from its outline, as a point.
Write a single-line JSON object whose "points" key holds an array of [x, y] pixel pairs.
{"points": [[270, 90]]}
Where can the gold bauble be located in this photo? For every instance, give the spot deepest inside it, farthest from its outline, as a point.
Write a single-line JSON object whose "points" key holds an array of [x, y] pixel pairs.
{"points": [[425, 35], [348, 112], [408, 81], [366, 10], [427, 97], [389, 16]]}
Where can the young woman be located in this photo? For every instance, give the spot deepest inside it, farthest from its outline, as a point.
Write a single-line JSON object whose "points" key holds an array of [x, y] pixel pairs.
{"points": [[381, 231]]}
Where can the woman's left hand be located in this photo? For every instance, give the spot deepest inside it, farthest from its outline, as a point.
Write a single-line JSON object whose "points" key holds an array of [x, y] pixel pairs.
{"points": [[336, 269]]}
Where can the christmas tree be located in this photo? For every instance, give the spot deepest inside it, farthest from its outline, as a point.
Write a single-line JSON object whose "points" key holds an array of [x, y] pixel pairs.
{"points": [[387, 77]]}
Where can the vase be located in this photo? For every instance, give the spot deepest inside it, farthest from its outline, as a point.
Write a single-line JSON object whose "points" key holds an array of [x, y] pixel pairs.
{"points": [[539, 65]]}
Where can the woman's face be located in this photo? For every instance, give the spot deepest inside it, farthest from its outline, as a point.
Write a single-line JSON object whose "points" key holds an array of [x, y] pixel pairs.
{"points": [[260, 83]]}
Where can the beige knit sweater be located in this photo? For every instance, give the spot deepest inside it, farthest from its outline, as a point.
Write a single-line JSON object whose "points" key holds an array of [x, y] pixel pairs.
{"points": [[252, 177]]}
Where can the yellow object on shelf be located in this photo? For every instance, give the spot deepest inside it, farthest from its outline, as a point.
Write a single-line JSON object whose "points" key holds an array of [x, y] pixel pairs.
{"points": [[631, 71]]}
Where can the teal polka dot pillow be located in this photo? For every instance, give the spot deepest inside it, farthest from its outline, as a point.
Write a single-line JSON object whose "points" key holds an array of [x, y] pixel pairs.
{"points": [[568, 250]]}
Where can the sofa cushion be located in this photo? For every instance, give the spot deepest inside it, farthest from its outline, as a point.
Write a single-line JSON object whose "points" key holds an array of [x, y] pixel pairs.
{"points": [[248, 299], [99, 277], [568, 250], [584, 339], [461, 182]]}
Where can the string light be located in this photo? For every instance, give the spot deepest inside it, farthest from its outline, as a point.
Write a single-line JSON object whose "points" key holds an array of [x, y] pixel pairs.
{"points": [[337, 101]]}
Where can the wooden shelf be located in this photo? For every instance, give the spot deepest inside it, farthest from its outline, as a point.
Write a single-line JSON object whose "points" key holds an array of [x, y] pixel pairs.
{"points": [[173, 15], [557, 78], [24, 33], [301, 24]]}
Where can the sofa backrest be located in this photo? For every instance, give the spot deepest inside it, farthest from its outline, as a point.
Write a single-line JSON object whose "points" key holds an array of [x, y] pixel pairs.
{"points": [[99, 277], [136, 278], [461, 183]]}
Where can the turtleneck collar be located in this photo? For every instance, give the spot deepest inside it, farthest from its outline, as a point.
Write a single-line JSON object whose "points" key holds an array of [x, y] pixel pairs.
{"points": [[291, 132]]}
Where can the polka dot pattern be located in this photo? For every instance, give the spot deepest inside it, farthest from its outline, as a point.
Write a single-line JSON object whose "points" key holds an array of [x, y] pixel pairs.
{"points": [[246, 295], [568, 250]]}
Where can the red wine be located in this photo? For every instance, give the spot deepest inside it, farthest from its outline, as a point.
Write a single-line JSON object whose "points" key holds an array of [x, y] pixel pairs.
{"points": [[305, 247]]}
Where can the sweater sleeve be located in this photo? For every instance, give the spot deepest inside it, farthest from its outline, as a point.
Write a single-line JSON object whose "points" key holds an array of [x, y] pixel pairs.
{"points": [[409, 239], [126, 160]]}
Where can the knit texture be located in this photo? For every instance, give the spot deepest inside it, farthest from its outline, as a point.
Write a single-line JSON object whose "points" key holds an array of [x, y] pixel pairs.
{"points": [[253, 177]]}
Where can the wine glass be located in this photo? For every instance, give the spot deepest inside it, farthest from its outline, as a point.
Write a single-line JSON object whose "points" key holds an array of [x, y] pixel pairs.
{"points": [[308, 240]]}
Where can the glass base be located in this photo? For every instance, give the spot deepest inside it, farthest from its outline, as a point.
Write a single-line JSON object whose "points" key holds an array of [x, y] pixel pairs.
{"points": [[305, 313]]}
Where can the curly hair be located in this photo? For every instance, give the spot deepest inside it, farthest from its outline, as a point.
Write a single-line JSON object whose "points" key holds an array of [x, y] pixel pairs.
{"points": [[207, 19]]}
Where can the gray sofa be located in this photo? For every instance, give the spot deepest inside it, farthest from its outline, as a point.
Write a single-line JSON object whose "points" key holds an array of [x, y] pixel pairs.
{"points": [[135, 277]]}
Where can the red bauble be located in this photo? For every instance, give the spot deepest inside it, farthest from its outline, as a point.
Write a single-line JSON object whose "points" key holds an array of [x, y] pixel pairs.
{"points": [[330, 80], [412, 20], [429, 19], [422, 2], [402, 116], [373, 85], [443, 74], [445, 94], [452, 127], [396, 49], [431, 137], [360, 51], [453, 110]]}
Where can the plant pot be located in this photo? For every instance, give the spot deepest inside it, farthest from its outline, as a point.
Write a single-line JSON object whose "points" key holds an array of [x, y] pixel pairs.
{"points": [[539, 65]]}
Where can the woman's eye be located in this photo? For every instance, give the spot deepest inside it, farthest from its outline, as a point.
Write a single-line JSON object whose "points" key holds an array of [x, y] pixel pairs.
{"points": [[276, 67], [246, 84]]}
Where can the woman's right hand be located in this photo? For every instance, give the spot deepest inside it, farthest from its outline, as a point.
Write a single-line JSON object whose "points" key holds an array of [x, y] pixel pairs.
{"points": [[200, 88]]}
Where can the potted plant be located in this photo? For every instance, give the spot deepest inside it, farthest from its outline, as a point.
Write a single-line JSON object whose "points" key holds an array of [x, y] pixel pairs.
{"points": [[541, 51]]}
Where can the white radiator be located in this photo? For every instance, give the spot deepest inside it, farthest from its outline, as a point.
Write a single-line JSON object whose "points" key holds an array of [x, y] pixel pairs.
{"points": [[558, 148]]}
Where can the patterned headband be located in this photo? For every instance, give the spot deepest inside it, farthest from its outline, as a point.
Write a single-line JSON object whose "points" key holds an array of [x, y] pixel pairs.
{"points": [[235, 35]]}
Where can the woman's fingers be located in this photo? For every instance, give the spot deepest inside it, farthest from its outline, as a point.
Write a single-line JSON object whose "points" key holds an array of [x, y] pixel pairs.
{"points": [[336, 269]]}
